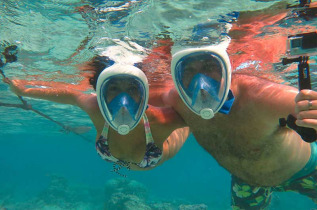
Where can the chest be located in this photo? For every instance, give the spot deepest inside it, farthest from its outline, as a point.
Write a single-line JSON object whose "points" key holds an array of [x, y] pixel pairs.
{"points": [[241, 133], [236, 138], [264, 155], [245, 145]]}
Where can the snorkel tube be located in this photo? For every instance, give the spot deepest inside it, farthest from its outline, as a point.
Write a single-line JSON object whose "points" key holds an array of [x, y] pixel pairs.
{"points": [[128, 117]]}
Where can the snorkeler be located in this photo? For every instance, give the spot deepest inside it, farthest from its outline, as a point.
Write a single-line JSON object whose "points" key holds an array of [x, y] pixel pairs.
{"points": [[248, 141], [130, 132], [122, 94]]}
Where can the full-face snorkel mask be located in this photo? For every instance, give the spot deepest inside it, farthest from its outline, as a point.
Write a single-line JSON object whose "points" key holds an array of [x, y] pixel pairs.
{"points": [[122, 94], [202, 77]]}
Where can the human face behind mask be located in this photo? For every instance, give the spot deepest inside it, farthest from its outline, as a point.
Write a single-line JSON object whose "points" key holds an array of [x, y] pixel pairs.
{"points": [[123, 84], [122, 94], [202, 78]]}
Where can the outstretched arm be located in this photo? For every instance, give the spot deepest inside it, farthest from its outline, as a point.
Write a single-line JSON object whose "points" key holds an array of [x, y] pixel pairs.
{"points": [[59, 93], [174, 143], [173, 130], [168, 130], [273, 101], [171, 146]]}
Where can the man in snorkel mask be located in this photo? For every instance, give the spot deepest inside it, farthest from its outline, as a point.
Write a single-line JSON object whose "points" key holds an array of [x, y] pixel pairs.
{"points": [[248, 141], [202, 77]]}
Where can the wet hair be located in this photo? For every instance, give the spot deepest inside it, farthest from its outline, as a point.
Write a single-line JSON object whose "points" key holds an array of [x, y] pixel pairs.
{"points": [[98, 64]]}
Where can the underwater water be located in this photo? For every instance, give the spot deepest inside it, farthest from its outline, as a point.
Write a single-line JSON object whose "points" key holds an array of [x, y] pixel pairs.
{"points": [[44, 167]]}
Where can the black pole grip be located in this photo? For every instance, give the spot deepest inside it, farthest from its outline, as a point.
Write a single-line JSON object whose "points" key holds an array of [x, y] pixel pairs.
{"points": [[304, 74], [308, 134]]}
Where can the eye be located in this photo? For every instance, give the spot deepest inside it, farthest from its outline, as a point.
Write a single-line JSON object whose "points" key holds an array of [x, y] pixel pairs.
{"points": [[133, 89], [188, 75], [113, 88]]}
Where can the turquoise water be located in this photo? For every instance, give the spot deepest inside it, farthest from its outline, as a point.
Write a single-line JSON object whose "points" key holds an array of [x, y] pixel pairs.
{"points": [[43, 167]]}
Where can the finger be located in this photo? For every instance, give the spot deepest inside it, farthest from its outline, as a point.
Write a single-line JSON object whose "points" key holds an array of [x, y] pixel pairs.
{"points": [[308, 123], [311, 114], [306, 95], [305, 105]]}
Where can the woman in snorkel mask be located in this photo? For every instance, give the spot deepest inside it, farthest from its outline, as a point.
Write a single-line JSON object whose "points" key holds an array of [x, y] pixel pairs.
{"points": [[121, 115]]}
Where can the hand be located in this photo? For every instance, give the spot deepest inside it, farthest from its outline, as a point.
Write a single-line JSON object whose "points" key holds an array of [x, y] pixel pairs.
{"points": [[306, 109]]}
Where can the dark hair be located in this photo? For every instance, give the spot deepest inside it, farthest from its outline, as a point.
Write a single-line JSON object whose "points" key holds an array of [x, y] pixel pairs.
{"points": [[98, 64]]}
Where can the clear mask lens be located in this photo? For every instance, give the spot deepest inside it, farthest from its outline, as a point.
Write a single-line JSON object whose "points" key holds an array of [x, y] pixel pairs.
{"points": [[201, 78], [123, 100]]}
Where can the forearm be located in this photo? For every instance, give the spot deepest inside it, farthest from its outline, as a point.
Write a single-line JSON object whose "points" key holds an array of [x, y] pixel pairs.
{"points": [[60, 95], [174, 143], [269, 100], [56, 95], [170, 147]]}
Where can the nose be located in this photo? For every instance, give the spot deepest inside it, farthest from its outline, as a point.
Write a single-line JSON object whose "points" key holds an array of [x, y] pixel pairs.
{"points": [[203, 93]]}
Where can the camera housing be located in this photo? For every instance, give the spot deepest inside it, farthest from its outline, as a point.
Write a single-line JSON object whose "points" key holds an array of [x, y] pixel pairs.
{"points": [[302, 45]]}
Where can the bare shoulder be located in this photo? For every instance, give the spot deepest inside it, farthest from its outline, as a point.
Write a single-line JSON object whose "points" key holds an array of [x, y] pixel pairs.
{"points": [[88, 102]]}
